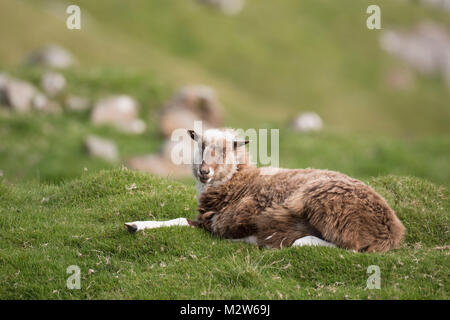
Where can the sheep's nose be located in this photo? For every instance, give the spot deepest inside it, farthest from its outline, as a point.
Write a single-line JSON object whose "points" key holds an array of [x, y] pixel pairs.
{"points": [[204, 171]]}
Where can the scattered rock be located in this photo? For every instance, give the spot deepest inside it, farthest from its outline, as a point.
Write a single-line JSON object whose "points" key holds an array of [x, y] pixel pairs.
{"points": [[22, 96], [188, 104], [307, 122], [77, 103], [426, 48], [201, 100], [137, 126], [101, 148], [16, 94], [119, 111], [439, 4], [53, 83], [52, 56], [175, 118], [162, 164], [158, 165], [229, 7]]}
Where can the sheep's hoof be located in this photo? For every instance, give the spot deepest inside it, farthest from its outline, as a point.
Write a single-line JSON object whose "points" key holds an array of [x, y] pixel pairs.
{"points": [[130, 227]]}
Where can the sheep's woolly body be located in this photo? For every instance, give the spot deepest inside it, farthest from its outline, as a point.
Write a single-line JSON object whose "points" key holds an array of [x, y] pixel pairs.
{"points": [[280, 208]]}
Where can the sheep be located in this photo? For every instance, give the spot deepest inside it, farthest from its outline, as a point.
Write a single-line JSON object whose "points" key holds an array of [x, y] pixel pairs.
{"points": [[276, 208]]}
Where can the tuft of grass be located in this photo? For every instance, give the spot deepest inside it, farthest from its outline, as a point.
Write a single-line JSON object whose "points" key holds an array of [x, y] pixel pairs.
{"points": [[46, 228]]}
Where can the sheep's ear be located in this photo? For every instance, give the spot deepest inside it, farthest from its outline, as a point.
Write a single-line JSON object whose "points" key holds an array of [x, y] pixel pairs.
{"points": [[193, 135], [239, 143]]}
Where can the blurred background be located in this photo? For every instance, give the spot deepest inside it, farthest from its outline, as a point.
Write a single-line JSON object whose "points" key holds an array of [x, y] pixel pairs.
{"points": [[363, 102]]}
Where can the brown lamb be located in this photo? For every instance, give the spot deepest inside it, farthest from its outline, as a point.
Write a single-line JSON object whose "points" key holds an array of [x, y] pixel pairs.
{"points": [[278, 206]]}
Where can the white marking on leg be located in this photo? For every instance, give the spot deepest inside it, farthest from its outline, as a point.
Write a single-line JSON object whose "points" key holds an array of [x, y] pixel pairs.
{"points": [[142, 225], [312, 241]]}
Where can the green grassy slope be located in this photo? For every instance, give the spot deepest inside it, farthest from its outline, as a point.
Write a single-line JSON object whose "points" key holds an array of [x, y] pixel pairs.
{"points": [[273, 67], [273, 60], [47, 229], [49, 148], [298, 54], [34, 148]]}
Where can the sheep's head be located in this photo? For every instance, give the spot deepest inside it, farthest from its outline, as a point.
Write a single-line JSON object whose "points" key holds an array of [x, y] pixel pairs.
{"points": [[217, 155]]}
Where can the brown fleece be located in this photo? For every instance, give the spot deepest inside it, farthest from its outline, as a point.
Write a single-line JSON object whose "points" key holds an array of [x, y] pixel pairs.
{"points": [[281, 208]]}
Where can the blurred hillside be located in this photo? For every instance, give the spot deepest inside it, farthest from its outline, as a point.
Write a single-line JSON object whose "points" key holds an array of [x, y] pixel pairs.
{"points": [[268, 63]]}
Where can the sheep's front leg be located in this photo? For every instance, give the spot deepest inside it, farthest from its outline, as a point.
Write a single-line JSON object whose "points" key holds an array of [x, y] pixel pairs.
{"points": [[142, 225]]}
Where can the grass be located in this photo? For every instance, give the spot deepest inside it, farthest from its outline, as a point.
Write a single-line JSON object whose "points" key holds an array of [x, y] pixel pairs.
{"points": [[46, 229], [58, 208]]}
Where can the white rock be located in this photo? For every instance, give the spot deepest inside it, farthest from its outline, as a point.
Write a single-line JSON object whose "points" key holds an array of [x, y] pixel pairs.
{"points": [[119, 111], [101, 148], [176, 118], [439, 4], [52, 56], [229, 7], [425, 47], [138, 126], [190, 103], [307, 121], [17, 94], [22, 96], [232, 7], [158, 165], [53, 83], [167, 162]]}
